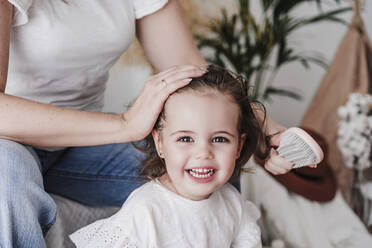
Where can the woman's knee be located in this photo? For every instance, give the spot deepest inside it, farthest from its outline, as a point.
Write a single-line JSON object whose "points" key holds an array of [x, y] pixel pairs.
{"points": [[21, 184], [18, 167]]}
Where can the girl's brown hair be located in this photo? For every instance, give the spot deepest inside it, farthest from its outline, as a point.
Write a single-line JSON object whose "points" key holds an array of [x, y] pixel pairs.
{"points": [[228, 83]]}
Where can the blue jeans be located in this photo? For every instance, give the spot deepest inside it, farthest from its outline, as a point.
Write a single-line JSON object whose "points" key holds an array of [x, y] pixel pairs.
{"points": [[97, 175]]}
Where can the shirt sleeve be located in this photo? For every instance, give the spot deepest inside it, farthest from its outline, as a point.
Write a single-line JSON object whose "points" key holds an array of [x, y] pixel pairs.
{"points": [[129, 227], [249, 233], [103, 234], [20, 12], [147, 7]]}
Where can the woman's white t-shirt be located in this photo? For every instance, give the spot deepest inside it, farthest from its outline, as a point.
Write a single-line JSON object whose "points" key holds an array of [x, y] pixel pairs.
{"points": [[154, 217], [60, 53]]}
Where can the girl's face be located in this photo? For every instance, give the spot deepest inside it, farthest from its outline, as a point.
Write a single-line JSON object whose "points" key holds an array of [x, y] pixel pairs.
{"points": [[199, 142]]}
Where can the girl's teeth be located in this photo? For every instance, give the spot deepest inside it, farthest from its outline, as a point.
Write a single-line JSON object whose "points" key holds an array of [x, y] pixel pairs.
{"points": [[206, 173]]}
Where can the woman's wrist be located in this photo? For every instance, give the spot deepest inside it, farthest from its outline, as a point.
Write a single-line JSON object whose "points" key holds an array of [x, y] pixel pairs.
{"points": [[129, 131], [269, 126], [126, 132], [273, 127]]}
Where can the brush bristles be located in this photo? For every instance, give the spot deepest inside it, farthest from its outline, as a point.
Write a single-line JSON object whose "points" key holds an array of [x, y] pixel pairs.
{"points": [[294, 149]]}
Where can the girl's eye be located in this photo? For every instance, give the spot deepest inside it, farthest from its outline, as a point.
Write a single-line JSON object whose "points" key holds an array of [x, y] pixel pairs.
{"points": [[219, 140], [185, 139]]}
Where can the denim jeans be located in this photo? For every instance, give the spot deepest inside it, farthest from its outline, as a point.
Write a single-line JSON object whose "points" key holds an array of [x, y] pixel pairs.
{"points": [[97, 175]]}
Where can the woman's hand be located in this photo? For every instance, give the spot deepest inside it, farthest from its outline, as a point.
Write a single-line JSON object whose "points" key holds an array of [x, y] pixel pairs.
{"points": [[276, 164], [273, 163], [140, 118]]}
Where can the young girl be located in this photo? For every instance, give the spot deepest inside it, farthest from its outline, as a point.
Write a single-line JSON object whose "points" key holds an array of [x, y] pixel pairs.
{"points": [[205, 134]]}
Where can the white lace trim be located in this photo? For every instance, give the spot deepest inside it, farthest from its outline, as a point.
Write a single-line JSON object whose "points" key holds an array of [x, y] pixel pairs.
{"points": [[101, 235]]}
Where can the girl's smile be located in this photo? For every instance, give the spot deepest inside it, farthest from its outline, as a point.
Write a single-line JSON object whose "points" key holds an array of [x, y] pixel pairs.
{"points": [[202, 175], [199, 142]]}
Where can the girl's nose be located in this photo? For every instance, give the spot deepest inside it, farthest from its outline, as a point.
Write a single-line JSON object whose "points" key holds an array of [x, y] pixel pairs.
{"points": [[204, 151]]}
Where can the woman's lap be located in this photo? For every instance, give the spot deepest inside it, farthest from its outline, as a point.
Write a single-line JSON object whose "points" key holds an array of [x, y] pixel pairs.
{"points": [[26, 211], [102, 175]]}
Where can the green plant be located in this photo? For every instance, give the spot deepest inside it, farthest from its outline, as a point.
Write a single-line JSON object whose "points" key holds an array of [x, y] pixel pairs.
{"points": [[241, 41]]}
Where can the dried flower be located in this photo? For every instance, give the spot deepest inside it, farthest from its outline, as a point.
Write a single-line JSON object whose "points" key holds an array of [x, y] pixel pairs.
{"points": [[355, 131]]}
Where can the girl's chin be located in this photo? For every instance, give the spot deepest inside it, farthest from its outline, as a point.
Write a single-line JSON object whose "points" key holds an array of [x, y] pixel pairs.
{"points": [[193, 188]]}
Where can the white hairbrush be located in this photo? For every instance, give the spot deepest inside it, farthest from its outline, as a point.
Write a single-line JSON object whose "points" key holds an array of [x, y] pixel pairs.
{"points": [[299, 147]]}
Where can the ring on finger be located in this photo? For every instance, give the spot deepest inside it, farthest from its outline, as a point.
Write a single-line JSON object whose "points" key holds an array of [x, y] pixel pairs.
{"points": [[164, 82]]}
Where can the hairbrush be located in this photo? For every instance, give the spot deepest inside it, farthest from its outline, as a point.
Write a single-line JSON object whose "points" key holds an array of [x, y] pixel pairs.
{"points": [[298, 147]]}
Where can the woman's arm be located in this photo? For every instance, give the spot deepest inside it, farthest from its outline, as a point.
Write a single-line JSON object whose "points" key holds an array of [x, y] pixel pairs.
{"points": [[40, 124], [5, 23], [166, 38], [44, 125]]}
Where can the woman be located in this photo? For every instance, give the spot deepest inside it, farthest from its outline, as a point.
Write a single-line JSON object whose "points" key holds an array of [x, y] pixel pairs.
{"points": [[54, 60]]}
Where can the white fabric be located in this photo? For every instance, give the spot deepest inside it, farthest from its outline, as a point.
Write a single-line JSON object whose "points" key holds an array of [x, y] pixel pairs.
{"points": [[153, 216], [302, 223], [146, 7], [20, 15], [61, 53]]}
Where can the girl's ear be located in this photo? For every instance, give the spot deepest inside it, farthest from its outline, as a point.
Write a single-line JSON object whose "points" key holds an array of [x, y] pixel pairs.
{"points": [[157, 140], [241, 144]]}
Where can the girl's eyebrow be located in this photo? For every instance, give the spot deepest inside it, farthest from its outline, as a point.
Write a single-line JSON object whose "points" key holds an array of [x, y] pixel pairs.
{"points": [[181, 131], [191, 132], [224, 132]]}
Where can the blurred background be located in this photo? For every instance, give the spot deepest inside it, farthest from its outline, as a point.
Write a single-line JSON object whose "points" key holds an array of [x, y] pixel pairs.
{"points": [[322, 38]]}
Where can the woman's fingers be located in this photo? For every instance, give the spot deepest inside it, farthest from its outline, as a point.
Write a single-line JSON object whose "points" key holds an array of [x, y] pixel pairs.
{"points": [[165, 83], [169, 88], [275, 139], [179, 73], [180, 68], [277, 165], [169, 81], [173, 76]]}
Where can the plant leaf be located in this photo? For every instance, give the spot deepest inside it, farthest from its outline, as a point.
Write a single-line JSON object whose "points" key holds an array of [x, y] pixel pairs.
{"points": [[282, 92]]}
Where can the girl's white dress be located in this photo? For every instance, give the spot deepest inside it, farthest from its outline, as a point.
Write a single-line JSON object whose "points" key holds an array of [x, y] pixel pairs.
{"points": [[154, 216]]}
